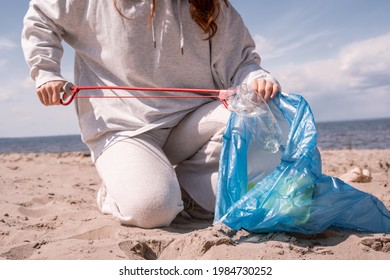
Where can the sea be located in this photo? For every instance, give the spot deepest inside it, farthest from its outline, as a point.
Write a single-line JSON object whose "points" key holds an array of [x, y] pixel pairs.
{"points": [[357, 134]]}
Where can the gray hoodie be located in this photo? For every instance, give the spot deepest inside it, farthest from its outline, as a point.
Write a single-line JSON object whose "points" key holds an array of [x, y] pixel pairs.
{"points": [[109, 49]]}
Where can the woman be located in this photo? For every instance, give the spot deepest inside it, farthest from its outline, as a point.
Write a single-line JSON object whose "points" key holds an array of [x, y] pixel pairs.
{"points": [[147, 151]]}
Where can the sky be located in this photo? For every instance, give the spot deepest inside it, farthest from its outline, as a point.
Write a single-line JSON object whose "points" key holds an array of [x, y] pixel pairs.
{"points": [[335, 53]]}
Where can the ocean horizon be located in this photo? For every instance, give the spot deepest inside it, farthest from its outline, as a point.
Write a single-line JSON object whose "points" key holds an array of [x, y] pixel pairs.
{"points": [[355, 134]]}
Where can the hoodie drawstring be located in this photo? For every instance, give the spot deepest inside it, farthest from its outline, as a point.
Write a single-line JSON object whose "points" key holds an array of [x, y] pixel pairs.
{"points": [[180, 27], [153, 30]]}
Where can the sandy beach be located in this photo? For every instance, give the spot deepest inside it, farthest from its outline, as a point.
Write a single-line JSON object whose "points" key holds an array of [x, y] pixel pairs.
{"points": [[48, 212]]}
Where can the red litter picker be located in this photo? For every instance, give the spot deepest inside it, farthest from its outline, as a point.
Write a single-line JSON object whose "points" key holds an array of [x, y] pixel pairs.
{"points": [[73, 91], [248, 104]]}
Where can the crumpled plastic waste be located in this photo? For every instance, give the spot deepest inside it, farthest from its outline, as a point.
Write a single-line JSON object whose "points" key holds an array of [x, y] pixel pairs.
{"points": [[255, 112]]}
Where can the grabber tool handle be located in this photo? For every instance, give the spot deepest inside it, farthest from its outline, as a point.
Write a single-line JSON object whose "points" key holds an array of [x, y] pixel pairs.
{"points": [[69, 89]]}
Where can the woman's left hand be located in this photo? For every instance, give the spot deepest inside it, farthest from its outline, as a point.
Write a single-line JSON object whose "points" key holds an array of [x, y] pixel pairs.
{"points": [[266, 89]]}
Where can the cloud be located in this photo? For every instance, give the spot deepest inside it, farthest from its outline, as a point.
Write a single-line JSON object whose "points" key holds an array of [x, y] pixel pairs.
{"points": [[355, 79], [6, 93], [6, 43], [14, 90], [4, 96], [27, 83], [274, 48], [9, 45], [368, 62], [3, 62], [358, 66]]}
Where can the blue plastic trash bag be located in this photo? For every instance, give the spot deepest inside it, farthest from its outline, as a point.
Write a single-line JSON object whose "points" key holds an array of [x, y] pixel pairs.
{"points": [[296, 196]]}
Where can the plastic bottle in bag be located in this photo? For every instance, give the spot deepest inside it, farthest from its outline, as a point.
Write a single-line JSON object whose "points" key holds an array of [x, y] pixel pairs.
{"points": [[257, 116]]}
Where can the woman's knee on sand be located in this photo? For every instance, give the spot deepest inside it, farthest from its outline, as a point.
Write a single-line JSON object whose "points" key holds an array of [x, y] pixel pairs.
{"points": [[146, 210], [140, 185]]}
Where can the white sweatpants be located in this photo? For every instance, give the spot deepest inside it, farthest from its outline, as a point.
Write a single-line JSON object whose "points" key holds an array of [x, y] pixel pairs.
{"points": [[142, 175]]}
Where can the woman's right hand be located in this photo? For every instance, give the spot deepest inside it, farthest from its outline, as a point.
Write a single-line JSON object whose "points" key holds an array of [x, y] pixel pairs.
{"points": [[50, 93]]}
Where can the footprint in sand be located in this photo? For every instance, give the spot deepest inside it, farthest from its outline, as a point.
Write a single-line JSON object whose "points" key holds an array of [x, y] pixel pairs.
{"points": [[96, 234], [378, 244], [140, 250], [34, 213], [193, 245], [35, 208], [22, 252]]}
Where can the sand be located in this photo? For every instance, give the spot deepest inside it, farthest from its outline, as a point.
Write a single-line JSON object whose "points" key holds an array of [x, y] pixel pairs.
{"points": [[48, 212]]}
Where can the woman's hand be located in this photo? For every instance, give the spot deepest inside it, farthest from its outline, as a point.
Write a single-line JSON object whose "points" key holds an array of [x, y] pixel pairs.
{"points": [[50, 93], [266, 89]]}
